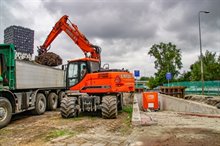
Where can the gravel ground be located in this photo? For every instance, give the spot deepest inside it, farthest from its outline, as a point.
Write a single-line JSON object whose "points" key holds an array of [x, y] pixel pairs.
{"points": [[91, 130]]}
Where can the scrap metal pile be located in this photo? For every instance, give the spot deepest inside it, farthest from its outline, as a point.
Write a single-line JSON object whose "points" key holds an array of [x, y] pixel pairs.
{"points": [[49, 59]]}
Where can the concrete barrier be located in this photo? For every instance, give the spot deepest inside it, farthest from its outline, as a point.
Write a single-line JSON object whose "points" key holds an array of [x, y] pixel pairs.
{"points": [[136, 117], [187, 106], [140, 118]]}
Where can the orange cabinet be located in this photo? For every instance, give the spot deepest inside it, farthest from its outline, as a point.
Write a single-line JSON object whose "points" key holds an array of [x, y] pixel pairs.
{"points": [[150, 100]]}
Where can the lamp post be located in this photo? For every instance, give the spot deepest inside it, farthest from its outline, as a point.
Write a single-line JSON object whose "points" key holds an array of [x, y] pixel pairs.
{"points": [[201, 56]]}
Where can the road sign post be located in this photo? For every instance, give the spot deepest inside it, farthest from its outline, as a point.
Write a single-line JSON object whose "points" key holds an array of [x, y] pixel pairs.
{"points": [[136, 74]]}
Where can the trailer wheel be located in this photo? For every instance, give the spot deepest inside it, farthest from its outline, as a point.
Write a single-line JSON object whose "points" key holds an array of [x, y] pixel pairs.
{"points": [[40, 104], [52, 101], [61, 95], [109, 107], [5, 112], [68, 107]]}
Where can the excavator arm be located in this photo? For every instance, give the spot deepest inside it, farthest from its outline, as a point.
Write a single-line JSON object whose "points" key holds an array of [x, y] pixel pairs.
{"points": [[90, 50]]}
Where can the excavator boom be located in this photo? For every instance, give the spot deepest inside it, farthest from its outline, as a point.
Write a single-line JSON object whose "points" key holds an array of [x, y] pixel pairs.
{"points": [[90, 50]]}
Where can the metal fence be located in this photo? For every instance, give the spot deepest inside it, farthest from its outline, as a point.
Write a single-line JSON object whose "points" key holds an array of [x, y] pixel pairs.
{"points": [[210, 87]]}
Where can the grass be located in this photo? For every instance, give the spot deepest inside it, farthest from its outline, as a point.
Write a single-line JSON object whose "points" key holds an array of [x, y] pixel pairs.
{"points": [[125, 128], [128, 109], [64, 132], [58, 133], [4, 131]]}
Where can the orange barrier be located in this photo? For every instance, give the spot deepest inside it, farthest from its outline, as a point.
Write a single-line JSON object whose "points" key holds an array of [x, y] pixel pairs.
{"points": [[150, 100]]}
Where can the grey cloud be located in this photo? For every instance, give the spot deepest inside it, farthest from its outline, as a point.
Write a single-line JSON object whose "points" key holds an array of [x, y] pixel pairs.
{"points": [[127, 28], [109, 19]]}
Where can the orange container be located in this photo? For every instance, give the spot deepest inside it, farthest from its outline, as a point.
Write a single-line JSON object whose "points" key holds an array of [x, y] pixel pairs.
{"points": [[150, 100]]}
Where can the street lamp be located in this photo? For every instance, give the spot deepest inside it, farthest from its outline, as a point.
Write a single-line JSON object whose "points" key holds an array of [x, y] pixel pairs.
{"points": [[201, 56]]}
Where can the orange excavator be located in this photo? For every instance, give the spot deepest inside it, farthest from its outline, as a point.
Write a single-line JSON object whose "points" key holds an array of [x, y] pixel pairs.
{"points": [[89, 87]]}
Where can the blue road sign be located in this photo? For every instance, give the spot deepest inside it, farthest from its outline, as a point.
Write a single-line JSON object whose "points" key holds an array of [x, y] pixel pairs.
{"points": [[137, 73], [168, 76]]}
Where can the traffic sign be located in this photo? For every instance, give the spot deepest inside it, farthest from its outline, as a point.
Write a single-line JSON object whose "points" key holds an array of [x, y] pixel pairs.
{"points": [[137, 73], [168, 76]]}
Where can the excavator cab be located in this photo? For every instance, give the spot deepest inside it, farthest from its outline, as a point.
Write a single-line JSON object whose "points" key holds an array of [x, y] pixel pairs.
{"points": [[77, 70]]}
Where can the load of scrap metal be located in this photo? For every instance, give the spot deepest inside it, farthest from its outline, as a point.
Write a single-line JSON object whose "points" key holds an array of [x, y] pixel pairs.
{"points": [[49, 59]]}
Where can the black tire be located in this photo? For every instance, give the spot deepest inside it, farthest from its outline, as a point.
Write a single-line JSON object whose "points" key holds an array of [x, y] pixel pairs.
{"points": [[5, 112], [68, 107], [120, 102], [52, 101], [40, 104], [61, 95], [109, 107]]}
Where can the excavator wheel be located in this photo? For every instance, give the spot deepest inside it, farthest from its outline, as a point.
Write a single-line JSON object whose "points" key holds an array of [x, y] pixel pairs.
{"points": [[109, 107], [120, 102], [68, 107]]}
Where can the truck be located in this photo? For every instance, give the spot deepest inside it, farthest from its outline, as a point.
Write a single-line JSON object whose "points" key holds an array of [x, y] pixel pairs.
{"points": [[26, 85], [100, 88]]}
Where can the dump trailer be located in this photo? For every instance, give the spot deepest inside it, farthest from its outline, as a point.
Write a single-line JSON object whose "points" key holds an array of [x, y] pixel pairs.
{"points": [[26, 85]]}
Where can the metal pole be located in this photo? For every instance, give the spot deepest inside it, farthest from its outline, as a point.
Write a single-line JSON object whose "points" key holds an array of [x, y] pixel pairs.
{"points": [[201, 55]]}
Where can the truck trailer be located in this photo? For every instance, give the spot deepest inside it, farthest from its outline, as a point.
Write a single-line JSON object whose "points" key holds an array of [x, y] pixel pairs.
{"points": [[26, 85]]}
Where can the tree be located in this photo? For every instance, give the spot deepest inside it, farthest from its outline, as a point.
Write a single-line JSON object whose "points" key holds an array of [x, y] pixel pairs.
{"points": [[144, 78], [152, 82], [211, 67], [168, 59], [185, 76]]}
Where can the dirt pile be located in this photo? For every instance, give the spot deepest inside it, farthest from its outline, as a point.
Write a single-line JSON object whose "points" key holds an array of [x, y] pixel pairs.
{"points": [[49, 59], [210, 100]]}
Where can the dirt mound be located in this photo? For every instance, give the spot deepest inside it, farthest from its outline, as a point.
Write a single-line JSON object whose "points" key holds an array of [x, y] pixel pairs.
{"points": [[49, 59], [210, 100]]}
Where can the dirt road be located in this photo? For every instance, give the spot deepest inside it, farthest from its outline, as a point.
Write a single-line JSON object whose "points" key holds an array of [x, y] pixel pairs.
{"points": [[91, 130]]}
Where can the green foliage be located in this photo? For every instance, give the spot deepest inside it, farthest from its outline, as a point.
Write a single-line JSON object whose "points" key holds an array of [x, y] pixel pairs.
{"points": [[58, 133], [153, 82], [167, 59], [185, 76], [211, 67], [128, 109], [144, 78]]}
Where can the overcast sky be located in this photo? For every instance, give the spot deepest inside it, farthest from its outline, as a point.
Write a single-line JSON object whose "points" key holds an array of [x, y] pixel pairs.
{"points": [[124, 29]]}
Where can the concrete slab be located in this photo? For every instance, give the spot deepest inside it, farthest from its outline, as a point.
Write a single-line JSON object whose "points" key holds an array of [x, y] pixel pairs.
{"points": [[147, 120]]}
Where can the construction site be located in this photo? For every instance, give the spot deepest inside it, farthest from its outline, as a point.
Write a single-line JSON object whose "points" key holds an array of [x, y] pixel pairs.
{"points": [[84, 102], [164, 127]]}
